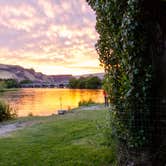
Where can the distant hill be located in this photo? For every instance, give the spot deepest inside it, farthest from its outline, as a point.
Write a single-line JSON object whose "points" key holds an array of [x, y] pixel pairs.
{"points": [[19, 73]]}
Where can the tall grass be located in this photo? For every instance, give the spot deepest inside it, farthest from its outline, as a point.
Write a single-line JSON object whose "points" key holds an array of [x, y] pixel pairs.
{"points": [[86, 102], [6, 111]]}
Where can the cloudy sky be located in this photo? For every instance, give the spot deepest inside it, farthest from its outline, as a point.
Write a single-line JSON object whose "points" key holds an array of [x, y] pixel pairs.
{"points": [[51, 36]]}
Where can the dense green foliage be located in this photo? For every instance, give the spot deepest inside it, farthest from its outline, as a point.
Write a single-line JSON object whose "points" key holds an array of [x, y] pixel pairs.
{"points": [[2, 85], [12, 83], [123, 59], [126, 50], [6, 112], [91, 82], [68, 140], [25, 82], [9, 83]]}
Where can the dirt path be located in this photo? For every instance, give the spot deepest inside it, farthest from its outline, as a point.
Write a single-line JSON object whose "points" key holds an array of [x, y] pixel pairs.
{"points": [[6, 129]]}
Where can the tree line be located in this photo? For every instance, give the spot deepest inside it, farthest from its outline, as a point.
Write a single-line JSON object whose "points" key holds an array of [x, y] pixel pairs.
{"points": [[9, 83], [12, 83], [90, 82]]}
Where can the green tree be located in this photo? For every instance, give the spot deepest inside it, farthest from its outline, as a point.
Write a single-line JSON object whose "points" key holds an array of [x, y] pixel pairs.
{"points": [[132, 50], [26, 81], [11, 83], [2, 85], [81, 83], [90, 82], [73, 83]]}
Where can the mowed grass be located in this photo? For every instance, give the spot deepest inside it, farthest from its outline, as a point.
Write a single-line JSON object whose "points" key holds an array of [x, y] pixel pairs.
{"points": [[72, 139]]}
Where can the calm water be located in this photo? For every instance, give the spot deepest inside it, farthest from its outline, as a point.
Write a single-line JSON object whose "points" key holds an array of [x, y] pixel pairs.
{"points": [[47, 101]]}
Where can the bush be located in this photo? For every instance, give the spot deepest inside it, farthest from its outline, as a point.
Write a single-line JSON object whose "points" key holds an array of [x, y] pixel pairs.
{"points": [[86, 103], [6, 112], [30, 114]]}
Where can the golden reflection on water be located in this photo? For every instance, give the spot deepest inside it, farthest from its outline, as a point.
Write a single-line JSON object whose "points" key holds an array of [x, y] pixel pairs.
{"points": [[45, 101]]}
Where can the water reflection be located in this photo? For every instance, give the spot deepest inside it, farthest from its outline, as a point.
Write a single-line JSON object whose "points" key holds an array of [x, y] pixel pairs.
{"points": [[46, 101]]}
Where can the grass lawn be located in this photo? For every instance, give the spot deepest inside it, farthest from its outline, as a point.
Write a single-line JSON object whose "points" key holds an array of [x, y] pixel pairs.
{"points": [[65, 140]]}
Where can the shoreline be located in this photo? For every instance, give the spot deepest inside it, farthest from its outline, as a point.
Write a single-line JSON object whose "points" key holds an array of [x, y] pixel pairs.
{"points": [[7, 127]]}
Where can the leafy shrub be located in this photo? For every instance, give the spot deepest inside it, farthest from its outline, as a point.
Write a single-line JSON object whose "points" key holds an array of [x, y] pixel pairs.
{"points": [[30, 114], [6, 112], [86, 103]]}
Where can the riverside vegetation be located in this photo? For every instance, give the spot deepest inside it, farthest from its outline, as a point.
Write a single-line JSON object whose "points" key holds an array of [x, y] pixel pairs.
{"points": [[86, 103], [75, 138], [8, 83], [6, 112], [90, 82]]}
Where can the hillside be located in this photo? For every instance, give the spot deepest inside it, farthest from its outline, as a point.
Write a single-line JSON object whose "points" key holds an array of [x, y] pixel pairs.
{"points": [[19, 73]]}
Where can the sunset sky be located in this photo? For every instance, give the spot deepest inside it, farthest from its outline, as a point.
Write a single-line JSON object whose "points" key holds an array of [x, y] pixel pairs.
{"points": [[51, 36]]}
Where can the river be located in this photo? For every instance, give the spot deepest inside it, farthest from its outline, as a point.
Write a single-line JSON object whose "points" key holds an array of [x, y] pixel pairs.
{"points": [[47, 101]]}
